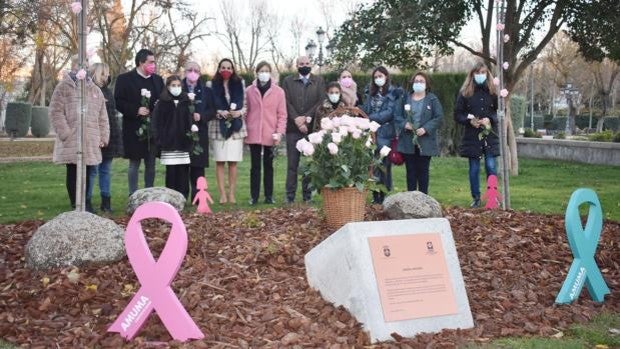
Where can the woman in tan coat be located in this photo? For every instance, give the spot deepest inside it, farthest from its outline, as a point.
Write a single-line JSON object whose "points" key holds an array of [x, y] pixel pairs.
{"points": [[63, 113]]}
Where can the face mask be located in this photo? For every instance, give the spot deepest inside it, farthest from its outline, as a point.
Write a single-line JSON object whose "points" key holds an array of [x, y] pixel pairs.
{"points": [[480, 78], [175, 91], [149, 69], [380, 82], [334, 97], [192, 76], [419, 87], [346, 82], [304, 70], [226, 74], [264, 76]]}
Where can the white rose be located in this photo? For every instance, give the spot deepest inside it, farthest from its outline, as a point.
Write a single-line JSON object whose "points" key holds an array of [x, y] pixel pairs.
{"points": [[470, 117], [308, 119], [407, 107], [315, 138], [368, 142], [336, 137], [374, 126], [385, 151], [143, 92], [194, 128], [233, 106], [191, 96], [327, 124], [148, 94], [333, 148]]}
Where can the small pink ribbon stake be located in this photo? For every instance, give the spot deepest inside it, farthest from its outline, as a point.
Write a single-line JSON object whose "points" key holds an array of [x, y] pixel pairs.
{"points": [[156, 276]]}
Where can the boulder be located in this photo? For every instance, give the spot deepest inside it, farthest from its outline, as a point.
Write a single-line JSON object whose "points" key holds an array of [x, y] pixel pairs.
{"points": [[75, 239], [142, 196], [411, 205]]}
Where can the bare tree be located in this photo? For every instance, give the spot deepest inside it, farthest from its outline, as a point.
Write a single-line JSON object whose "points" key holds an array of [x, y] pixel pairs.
{"points": [[245, 39]]}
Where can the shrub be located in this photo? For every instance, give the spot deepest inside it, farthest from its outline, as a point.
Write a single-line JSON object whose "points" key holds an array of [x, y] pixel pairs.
{"points": [[18, 115], [559, 135], [40, 123], [518, 106], [612, 123], [529, 133], [616, 138], [604, 136]]}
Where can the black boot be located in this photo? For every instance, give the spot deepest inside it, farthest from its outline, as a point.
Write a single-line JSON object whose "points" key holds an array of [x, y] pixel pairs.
{"points": [[106, 205], [89, 207], [475, 203]]}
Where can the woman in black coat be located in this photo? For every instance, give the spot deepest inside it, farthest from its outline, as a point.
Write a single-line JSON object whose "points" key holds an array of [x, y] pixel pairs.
{"points": [[204, 112], [172, 127], [100, 73], [476, 109]]}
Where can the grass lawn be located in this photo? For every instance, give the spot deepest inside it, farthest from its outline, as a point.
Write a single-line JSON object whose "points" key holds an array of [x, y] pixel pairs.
{"points": [[37, 190]]}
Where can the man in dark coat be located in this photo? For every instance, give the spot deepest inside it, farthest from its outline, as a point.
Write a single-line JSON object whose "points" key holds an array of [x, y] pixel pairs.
{"points": [[205, 110], [304, 93], [128, 96]]}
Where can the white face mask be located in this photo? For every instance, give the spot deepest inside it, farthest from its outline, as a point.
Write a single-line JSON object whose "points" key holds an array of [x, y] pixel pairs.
{"points": [[264, 76], [380, 82], [175, 91], [334, 97]]}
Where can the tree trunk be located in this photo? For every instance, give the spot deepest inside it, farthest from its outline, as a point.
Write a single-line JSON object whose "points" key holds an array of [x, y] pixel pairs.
{"points": [[511, 140]]}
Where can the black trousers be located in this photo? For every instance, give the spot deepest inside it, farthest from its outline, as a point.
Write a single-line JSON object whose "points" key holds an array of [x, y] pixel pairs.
{"points": [[194, 174], [292, 156], [417, 171], [384, 177], [255, 171], [177, 178], [71, 178]]}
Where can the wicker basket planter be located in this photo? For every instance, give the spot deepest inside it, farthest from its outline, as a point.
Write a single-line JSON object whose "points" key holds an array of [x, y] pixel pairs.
{"points": [[343, 205]]}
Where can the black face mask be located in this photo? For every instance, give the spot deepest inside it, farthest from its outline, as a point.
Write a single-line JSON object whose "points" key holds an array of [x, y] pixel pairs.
{"points": [[304, 70]]}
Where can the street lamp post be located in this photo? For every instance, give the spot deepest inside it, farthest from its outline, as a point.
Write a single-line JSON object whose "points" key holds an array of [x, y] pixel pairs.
{"points": [[310, 49], [569, 92], [320, 34]]}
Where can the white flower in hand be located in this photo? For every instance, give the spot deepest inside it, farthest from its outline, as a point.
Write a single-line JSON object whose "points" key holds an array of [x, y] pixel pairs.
{"points": [[194, 128], [385, 151], [143, 92], [470, 117], [407, 107], [148, 94], [308, 119], [191, 96], [374, 126], [233, 106]]}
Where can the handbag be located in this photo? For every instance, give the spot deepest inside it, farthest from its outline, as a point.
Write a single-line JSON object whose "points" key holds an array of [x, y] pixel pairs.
{"points": [[395, 157]]}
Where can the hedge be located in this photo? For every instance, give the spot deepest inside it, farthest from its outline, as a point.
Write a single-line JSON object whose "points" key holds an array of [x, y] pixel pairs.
{"points": [[40, 123], [18, 116]]}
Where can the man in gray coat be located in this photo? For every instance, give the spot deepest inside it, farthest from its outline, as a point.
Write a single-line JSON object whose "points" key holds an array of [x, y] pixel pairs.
{"points": [[304, 93]]}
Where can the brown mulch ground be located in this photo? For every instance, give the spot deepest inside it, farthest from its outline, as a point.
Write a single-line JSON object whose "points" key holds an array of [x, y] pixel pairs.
{"points": [[243, 282], [24, 148]]}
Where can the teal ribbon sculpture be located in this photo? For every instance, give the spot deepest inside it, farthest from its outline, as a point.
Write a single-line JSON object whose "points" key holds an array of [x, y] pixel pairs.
{"points": [[583, 243]]}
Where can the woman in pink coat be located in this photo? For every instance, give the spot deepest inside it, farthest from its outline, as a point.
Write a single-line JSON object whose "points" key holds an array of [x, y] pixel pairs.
{"points": [[266, 123]]}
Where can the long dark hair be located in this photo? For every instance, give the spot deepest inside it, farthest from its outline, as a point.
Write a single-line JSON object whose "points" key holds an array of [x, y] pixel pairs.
{"points": [[373, 87], [218, 77]]}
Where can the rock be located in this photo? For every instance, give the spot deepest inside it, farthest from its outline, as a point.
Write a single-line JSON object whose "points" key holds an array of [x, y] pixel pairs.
{"points": [[411, 205], [75, 239], [173, 197]]}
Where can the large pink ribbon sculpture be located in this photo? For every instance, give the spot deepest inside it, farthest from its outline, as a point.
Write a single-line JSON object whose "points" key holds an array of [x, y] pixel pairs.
{"points": [[156, 276]]}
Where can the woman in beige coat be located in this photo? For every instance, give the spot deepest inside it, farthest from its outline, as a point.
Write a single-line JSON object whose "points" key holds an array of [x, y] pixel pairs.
{"points": [[63, 113]]}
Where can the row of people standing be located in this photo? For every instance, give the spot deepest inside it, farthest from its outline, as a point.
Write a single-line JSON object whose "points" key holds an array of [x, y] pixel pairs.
{"points": [[227, 115]]}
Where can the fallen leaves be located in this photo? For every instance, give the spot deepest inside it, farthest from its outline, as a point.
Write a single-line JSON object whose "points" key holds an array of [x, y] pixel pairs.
{"points": [[243, 282]]}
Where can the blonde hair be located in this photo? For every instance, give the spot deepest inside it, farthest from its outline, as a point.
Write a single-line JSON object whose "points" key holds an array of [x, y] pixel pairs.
{"points": [[467, 90], [98, 72], [191, 64]]}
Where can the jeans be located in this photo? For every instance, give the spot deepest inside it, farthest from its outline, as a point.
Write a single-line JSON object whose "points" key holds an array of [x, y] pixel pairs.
{"points": [[71, 178], [149, 173], [417, 171], [293, 155], [255, 171], [383, 177], [177, 178], [105, 177], [474, 173]]}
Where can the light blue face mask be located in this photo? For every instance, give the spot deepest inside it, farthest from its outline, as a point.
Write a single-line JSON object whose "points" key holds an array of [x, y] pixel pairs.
{"points": [[419, 87], [480, 78]]}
